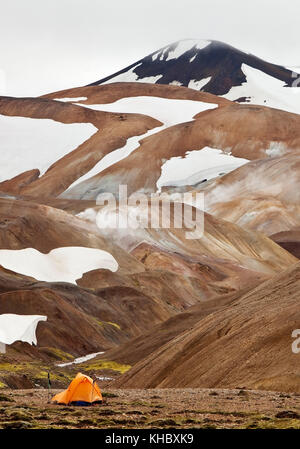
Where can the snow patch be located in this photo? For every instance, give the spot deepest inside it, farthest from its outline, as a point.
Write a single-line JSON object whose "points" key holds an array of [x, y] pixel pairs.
{"points": [[128, 76], [175, 83], [150, 79], [197, 85], [59, 265], [82, 359], [28, 143], [163, 53], [155, 56], [73, 100], [186, 45], [264, 90], [212, 162], [168, 111], [19, 328]]}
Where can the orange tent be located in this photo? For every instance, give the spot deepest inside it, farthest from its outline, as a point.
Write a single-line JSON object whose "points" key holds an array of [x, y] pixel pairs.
{"points": [[81, 391]]}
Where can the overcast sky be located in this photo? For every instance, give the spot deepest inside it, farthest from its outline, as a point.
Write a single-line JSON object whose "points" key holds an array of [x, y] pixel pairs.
{"points": [[47, 45]]}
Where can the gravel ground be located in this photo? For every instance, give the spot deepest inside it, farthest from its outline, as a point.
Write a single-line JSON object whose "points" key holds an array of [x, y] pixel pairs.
{"points": [[157, 408]]}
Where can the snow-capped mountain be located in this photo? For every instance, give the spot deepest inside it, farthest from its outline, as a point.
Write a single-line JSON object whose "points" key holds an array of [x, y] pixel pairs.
{"points": [[207, 65]]}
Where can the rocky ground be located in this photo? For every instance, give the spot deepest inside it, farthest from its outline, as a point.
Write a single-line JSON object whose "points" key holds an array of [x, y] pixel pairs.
{"points": [[159, 408]]}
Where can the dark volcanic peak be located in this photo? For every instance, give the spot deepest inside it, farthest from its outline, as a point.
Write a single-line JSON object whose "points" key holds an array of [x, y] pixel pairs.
{"points": [[207, 65]]}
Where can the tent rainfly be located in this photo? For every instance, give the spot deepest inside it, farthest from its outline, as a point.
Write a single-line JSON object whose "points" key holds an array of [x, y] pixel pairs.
{"points": [[81, 391], [18, 328]]}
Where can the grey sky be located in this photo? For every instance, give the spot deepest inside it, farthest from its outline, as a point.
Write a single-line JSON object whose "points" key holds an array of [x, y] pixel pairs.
{"points": [[48, 45]]}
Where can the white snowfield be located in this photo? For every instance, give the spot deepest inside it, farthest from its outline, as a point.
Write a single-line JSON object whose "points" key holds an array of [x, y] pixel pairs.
{"points": [[168, 111], [27, 143], [19, 328], [212, 163], [59, 265], [264, 90]]}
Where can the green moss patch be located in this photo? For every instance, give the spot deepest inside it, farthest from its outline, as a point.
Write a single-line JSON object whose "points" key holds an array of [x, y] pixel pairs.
{"points": [[106, 364], [58, 354]]}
